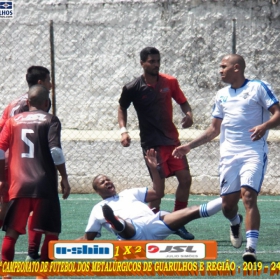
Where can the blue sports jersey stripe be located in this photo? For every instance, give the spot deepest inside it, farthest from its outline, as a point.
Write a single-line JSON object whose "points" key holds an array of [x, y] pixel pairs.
{"points": [[145, 199], [216, 117], [270, 94], [277, 102], [264, 164]]}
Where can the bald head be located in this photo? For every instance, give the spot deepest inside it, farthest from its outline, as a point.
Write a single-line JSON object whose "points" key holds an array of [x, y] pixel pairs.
{"points": [[38, 97], [232, 69], [236, 59]]}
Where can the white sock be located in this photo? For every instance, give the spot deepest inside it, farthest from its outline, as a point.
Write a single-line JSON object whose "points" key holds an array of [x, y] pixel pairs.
{"points": [[235, 220], [210, 208], [252, 238]]}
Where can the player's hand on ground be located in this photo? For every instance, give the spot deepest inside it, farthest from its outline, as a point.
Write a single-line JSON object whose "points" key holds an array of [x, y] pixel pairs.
{"points": [[151, 158], [125, 139], [187, 121], [180, 151], [65, 188]]}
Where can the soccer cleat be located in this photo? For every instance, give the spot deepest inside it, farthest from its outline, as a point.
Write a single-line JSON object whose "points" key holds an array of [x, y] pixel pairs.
{"points": [[30, 259], [250, 255], [235, 234], [112, 219], [184, 234]]}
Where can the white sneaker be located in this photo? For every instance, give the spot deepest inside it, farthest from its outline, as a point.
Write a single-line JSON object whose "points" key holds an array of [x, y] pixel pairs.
{"points": [[250, 255], [235, 234]]}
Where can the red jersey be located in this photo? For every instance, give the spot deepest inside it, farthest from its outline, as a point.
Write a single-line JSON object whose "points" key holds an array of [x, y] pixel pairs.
{"points": [[17, 106], [154, 109], [29, 136]]}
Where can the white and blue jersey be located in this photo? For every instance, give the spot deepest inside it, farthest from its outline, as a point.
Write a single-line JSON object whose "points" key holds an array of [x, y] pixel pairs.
{"points": [[240, 110], [130, 206]]}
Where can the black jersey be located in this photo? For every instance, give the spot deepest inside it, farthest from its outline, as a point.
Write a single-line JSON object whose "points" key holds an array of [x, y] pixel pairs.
{"points": [[29, 136], [154, 109]]}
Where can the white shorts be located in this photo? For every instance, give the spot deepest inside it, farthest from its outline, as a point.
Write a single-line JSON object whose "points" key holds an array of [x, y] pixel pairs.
{"points": [[242, 171], [150, 228]]}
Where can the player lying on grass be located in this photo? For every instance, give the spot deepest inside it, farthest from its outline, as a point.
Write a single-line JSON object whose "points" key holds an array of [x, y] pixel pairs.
{"points": [[129, 217]]}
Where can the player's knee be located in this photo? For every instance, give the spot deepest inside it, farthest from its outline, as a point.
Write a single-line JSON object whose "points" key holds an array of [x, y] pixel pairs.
{"points": [[228, 209], [249, 198], [249, 202], [185, 183]]}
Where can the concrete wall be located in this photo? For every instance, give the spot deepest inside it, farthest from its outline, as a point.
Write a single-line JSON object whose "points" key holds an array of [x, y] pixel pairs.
{"points": [[97, 46]]}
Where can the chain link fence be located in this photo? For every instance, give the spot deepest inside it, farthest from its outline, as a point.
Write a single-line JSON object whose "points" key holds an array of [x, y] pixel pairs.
{"points": [[93, 60]]}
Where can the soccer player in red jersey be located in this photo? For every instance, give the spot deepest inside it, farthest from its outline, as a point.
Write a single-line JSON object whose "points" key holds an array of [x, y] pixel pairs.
{"points": [[35, 75], [33, 140], [151, 95]]}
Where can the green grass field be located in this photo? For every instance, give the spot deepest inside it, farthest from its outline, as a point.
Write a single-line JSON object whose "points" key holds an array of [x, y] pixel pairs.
{"points": [[76, 210]]}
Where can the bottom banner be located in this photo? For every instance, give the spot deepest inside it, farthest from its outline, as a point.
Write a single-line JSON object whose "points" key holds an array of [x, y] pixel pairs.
{"points": [[137, 268], [136, 258]]}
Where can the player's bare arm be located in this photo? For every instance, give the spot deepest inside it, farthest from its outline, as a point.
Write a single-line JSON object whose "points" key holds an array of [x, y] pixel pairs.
{"points": [[158, 183], [65, 187], [209, 134], [122, 119], [187, 121], [259, 131]]}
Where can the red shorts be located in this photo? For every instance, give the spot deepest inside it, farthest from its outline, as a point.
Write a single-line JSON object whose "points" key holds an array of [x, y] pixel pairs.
{"points": [[46, 215], [168, 164]]}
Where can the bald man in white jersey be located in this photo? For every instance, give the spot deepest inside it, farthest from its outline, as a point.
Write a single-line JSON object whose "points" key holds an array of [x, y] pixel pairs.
{"points": [[243, 113]]}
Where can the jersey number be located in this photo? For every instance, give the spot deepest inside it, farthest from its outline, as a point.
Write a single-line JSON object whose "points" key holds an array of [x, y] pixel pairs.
{"points": [[28, 143]]}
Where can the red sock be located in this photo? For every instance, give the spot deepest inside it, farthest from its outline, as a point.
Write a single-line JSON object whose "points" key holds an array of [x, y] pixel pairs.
{"points": [[34, 240], [8, 249], [179, 205], [45, 247]]}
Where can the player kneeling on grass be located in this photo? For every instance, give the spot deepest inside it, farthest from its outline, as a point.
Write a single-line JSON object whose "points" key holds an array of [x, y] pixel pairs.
{"points": [[33, 140], [129, 217]]}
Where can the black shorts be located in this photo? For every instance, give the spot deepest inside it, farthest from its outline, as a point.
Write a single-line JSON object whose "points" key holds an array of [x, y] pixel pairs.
{"points": [[46, 214]]}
